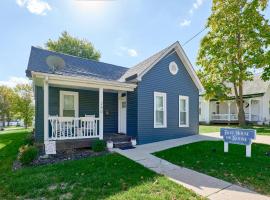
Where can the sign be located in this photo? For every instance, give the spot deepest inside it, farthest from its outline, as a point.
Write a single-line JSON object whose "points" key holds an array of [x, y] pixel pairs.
{"points": [[50, 147], [238, 136]]}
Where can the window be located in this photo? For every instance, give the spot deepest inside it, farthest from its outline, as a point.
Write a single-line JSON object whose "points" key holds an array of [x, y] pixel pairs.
{"points": [[183, 111], [173, 68], [68, 104], [160, 111]]}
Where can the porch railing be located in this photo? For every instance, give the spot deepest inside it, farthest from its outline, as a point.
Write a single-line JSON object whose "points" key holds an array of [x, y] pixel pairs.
{"points": [[232, 117], [73, 128]]}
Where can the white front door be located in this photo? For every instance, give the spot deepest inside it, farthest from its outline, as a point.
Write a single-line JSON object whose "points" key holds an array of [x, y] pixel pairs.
{"points": [[123, 114]]}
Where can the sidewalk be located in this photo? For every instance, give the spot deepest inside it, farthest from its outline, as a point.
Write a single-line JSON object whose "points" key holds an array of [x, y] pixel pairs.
{"points": [[202, 184]]}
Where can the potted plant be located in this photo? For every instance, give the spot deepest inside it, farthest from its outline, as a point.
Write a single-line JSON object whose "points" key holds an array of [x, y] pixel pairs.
{"points": [[110, 144], [133, 141]]}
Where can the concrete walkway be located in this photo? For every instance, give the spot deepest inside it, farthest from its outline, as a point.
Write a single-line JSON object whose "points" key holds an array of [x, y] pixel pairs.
{"points": [[202, 184]]}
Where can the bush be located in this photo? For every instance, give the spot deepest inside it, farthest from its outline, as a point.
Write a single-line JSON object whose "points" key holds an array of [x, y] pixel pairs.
{"points": [[29, 140], [98, 145], [27, 154]]}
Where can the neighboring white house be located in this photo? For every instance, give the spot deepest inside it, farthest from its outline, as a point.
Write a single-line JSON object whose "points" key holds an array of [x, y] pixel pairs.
{"points": [[256, 105]]}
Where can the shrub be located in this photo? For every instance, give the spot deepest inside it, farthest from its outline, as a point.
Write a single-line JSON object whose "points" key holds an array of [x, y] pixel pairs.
{"points": [[98, 145], [27, 154], [29, 139]]}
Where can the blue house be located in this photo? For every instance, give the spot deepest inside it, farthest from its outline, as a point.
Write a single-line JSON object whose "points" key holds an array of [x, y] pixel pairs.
{"points": [[78, 99]]}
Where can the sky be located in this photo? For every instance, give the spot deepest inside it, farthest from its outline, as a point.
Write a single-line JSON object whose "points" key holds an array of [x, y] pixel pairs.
{"points": [[124, 31]]}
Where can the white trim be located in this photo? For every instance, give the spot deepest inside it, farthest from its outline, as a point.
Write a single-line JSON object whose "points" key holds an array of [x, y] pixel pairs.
{"points": [[164, 96], [84, 82], [76, 101], [100, 113], [121, 100], [183, 57], [119, 110], [186, 98]]}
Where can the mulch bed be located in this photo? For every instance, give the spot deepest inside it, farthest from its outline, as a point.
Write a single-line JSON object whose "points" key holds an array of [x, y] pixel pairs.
{"points": [[74, 154]]}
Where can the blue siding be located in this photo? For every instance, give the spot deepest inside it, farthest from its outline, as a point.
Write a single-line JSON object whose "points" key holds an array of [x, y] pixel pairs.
{"points": [[160, 79], [39, 114], [132, 113]]}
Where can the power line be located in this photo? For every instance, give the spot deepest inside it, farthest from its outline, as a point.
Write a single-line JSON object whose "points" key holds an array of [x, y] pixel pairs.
{"points": [[194, 36]]}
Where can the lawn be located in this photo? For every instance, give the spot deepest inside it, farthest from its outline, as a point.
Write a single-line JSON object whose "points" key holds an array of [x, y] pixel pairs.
{"points": [[105, 177], [261, 130], [208, 157]]}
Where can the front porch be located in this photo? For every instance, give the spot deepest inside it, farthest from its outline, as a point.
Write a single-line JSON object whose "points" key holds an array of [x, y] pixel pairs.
{"points": [[76, 111], [227, 111]]}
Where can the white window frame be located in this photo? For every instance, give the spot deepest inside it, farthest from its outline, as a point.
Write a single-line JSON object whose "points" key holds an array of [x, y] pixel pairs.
{"points": [[164, 96], [186, 98], [76, 102]]}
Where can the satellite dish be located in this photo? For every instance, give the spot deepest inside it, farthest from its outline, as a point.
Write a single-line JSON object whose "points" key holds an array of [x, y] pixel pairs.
{"points": [[55, 63]]}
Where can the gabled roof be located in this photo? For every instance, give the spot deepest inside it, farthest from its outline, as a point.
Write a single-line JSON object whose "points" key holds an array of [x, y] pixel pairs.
{"points": [[143, 67], [74, 66], [256, 86], [80, 67], [140, 67]]}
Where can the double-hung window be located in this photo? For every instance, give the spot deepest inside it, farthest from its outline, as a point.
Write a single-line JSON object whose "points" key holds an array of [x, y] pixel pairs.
{"points": [[160, 110], [183, 111], [68, 104]]}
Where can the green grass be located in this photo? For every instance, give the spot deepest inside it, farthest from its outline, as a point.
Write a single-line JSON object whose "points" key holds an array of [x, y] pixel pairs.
{"points": [[10, 141], [106, 177], [261, 130], [233, 166]]}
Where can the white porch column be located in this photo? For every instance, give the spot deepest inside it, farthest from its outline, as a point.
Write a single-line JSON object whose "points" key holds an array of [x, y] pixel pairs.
{"points": [[46, 108], [207, 111], [101, 113], [229, 110], [119, 110], [249, 110]]}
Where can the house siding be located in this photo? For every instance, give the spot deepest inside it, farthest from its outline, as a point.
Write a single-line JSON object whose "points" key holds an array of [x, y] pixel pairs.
{"points": [[159, 79], [39, 114], [132, 114], [88, 105]]}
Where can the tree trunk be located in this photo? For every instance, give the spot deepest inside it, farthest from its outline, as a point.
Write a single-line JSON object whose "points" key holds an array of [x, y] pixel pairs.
{"points": [[241, 111]]}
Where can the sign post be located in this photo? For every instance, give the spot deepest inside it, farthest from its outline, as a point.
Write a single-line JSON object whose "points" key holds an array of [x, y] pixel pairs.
{"points": [[238, 136]]}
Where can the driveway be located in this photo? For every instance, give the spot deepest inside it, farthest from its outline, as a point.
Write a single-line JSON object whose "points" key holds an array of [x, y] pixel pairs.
{"points": [[202, 184]]}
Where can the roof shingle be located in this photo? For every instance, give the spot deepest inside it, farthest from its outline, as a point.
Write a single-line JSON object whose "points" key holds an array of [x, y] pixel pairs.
{"points": [[74, 66]]}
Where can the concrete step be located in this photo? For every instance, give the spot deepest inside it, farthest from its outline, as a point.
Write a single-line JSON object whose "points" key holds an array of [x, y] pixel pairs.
{"points": [[122, 144]]}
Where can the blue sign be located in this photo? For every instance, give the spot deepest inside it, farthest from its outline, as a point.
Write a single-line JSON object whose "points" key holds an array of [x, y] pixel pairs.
{"points": [[238, 136]]}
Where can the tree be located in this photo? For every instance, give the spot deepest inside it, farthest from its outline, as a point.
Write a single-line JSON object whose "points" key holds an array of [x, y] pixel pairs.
{"points": [[24, 103], [7, 96], [73, 46], [237, 42]]}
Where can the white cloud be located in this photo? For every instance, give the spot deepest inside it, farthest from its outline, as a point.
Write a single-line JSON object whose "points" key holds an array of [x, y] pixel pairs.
{"points": [[125, 50], [38, 7], [13, 81], [132, 52], [185, 23], [197, 4]]}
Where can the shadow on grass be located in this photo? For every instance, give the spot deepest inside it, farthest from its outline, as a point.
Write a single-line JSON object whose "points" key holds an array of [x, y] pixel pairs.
{"points": [[111, 176], [208, 157], [10, 143], [105, 177]]}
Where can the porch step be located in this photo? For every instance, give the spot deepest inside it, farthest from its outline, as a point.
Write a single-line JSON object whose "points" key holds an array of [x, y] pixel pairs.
{"points": [[117, 138], [122, 144]]}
